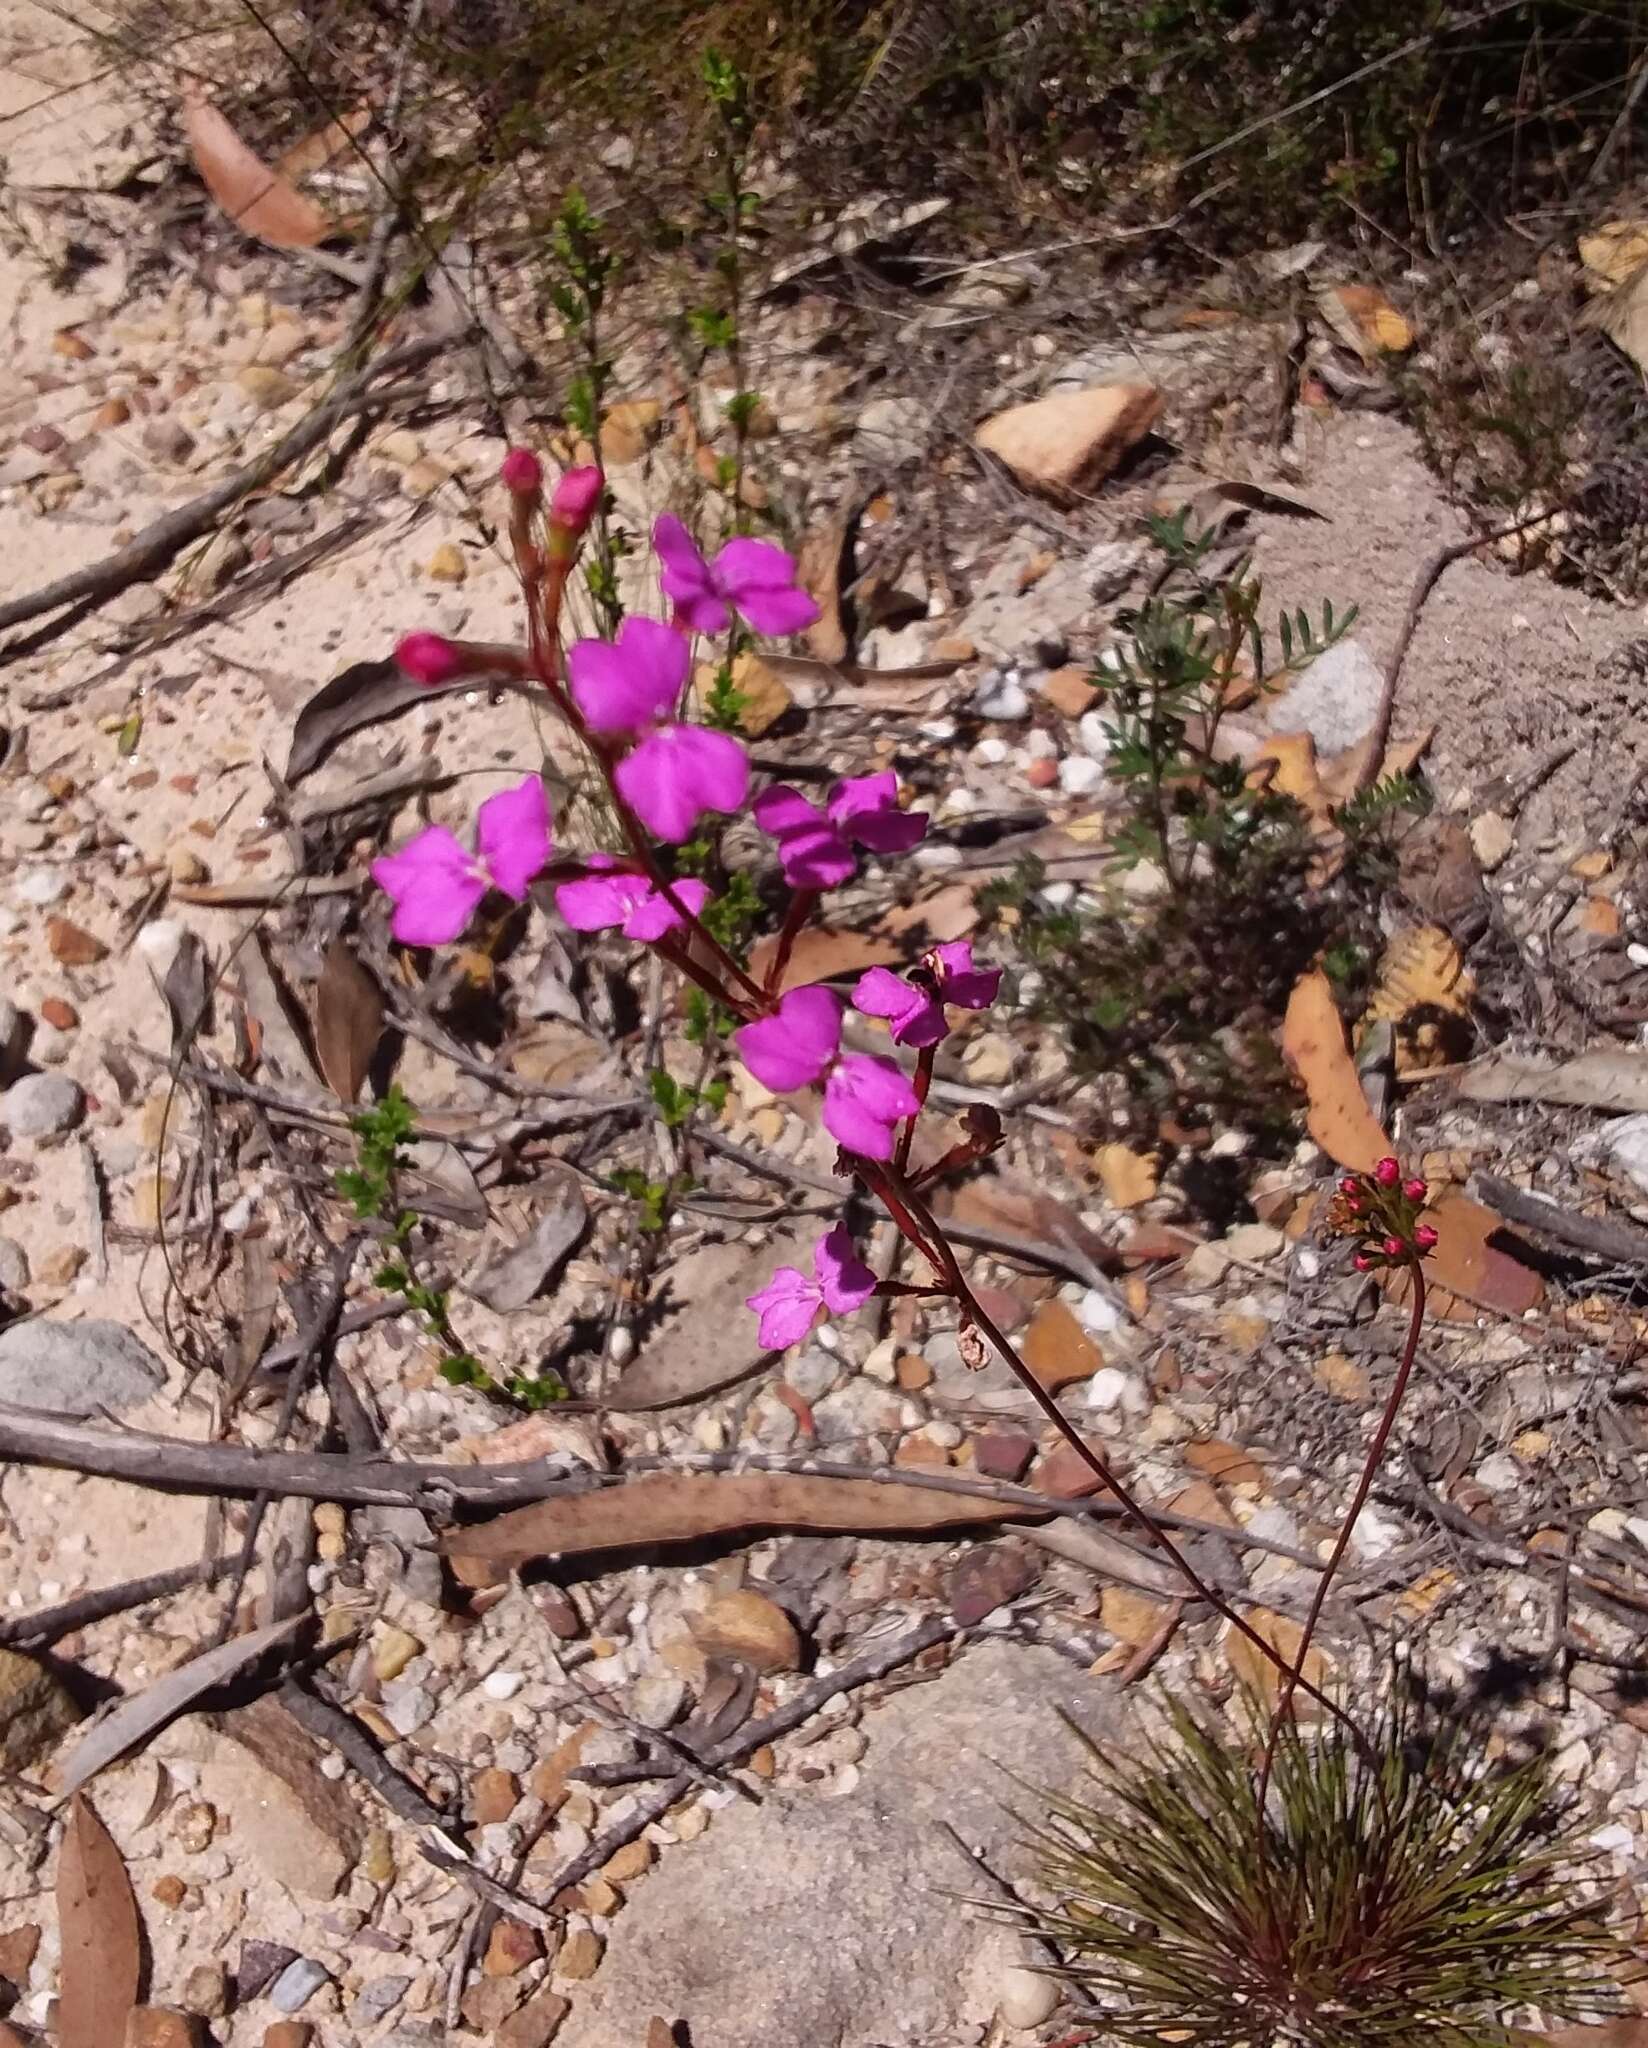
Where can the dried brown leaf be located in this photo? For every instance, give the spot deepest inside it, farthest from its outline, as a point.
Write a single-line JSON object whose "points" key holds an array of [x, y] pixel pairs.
{"points": [[1313, 1042], [97, 1918], [324, 145], [824, 953], [686, 1507], [254, 196], [348, 1022]]}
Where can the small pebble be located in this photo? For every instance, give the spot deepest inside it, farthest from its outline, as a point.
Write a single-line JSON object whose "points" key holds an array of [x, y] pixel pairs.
{"points": [[502, 1685], [297, 1984], [42, 1106]]}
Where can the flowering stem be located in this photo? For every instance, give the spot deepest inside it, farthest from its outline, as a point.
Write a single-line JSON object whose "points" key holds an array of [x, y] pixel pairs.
{"points": [[642, 849], [922, 1082], [1347, 1529], [902, 1204], [801, 908]]}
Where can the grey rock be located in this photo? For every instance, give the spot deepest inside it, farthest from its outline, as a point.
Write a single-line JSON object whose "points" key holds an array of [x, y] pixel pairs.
{"points": [[76, 1369], [14, 1041], [1110, 567], [1000, 694], [1336, 699], [894, 430], [42, 1106], [14, 1266], [382, 1995], [831, 1920], [297, 1984], [43, 887], [813, 1372]]}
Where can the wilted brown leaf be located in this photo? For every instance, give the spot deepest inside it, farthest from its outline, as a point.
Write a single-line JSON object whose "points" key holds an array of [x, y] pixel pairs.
{"points": [[686, 1507], [1365, 320], [97, 1918], [324, 145], [348, 1022], [1337, 1115], [1254, 1670], [1423, 991], [822, 953], [254, 196], [1467, 1271]]}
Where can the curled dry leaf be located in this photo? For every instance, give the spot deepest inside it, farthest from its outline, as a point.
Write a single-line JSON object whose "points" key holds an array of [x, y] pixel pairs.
{"points": [[686, 1507], [1128, 1177], [1423, 991], [348, 1022], [97, 1918], [1255, 1671], [1365, 320], [825, 953], [1337, 1114], [363, 694], [1615, 1079], [511, 1279], [254, 196]]}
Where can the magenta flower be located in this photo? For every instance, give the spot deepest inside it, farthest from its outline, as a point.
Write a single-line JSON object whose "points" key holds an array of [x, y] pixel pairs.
{"points": [[865, 809], [521, 473], [674, 773], [749, 576], [865, 1098], [811, 851], [813, 847], [435, 884], [789, 1303], [914, 1009], [613, 896]]}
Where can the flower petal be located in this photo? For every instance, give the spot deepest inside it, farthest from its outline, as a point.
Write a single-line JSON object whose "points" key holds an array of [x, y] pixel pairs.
{"points": [[865, 808], [864, 1099], [434, 885], [881, 993], [761, 580], [974, 991], [788, 1307], [792, 1048], [595, 903], [686, 577], [679, 772], [622, 685], [655, 915], [844, 1280], [513, 837], [810, 850]]}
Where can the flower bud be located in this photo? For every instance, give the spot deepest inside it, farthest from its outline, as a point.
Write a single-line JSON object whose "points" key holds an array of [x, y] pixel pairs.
{"points": [[1387, 1173], [1362, 1263], [522, 473], [1415, 1189], [428, 659], [1354, 1204], [1393, 1248], [1425, 1237], [1350, 1185], [573, 503]]}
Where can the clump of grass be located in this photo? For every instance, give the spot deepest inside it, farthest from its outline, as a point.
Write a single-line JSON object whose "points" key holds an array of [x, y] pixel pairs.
{"points": [[1398, 1891]]}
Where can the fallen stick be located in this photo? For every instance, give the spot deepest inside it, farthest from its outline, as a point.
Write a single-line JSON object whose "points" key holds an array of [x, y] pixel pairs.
{"points": [[49, 1624], [1601, 1237], [167, 536]]}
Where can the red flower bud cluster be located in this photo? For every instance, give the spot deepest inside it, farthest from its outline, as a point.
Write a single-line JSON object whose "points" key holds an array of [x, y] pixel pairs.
{"points": [[1381, 1211]]}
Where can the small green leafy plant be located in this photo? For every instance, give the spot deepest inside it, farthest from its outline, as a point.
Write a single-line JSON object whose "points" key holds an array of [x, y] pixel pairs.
{"points": [[370, 1186], [1395, 1892]]}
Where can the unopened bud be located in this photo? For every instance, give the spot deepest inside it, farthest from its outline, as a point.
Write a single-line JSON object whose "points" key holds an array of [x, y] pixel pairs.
{"points": [[575, 498], [428, 659], [522, 473], [1415, 1190], [1425, 1237], [1394, 1248], [1387, 1173], [1350, 1185], [1362, 1263]]}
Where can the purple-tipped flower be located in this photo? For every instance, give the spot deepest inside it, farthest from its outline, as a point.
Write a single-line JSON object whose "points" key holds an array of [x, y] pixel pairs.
{"points": [[673, 773], [865, 810], [435, 884], [574, 499], [914, 1009], [428, 659], [865, 1098], [521, 473], [753, 577], [613, 897], [790, 1303]]}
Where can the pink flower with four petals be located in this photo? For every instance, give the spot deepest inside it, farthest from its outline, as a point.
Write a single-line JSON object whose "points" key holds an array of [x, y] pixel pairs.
{"points": [[435, 884], [674, 773], [914, 1009], [613, 896], [753, 577], [789, 1304], [813, 846], [865, 1098]]}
